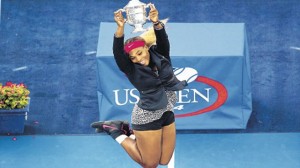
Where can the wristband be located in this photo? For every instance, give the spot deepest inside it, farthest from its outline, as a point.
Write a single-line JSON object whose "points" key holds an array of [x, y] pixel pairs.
{"points": [[156, 23]]}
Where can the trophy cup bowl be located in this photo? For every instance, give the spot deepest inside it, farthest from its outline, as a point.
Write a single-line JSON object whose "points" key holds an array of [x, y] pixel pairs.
{"points": [[136, 15]]}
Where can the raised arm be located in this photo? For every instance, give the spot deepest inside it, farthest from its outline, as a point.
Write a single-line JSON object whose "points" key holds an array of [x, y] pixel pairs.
{"points": [[162, 41], [119, 19], [121, 58]]}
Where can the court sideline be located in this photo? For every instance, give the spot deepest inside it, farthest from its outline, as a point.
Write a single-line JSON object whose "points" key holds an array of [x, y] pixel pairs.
{"points": [[232, 150]]}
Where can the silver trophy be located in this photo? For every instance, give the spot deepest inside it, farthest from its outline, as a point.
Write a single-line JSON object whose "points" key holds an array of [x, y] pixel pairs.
{"points": [[136, 14]]}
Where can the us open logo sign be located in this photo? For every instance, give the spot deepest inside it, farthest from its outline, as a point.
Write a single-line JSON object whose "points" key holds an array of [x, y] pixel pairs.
{"points": [[200, 91], [201, 96]]}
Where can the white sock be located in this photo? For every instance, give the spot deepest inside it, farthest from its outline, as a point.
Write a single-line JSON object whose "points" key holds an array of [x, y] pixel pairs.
{"points": [[132, 136], [121, 138]]}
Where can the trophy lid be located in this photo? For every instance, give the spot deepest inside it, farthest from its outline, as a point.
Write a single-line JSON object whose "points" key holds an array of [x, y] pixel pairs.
{"points": [[133, 3]]}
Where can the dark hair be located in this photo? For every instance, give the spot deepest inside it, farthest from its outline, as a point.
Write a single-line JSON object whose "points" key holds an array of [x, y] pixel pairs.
{"points": [[134, 39]]}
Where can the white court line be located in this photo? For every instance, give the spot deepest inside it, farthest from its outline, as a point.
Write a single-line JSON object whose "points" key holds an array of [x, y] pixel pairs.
{"points": [[20, 68], [172, 161], [90, 52], [295, 48]]}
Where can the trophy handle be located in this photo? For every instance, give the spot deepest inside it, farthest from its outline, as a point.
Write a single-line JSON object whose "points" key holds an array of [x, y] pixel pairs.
{"points": [[148, 6], [122, 10]]}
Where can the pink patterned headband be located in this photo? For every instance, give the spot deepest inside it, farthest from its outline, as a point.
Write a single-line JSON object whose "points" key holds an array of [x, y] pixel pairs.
{"points": [[132, 45]]}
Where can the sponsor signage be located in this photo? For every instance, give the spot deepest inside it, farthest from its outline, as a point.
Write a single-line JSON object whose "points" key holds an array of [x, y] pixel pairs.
{"points": [[218, 95]]}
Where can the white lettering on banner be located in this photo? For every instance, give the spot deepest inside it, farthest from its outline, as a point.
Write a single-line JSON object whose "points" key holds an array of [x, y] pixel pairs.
{"points": [[131, 96], [128, 94], [185, 93]]}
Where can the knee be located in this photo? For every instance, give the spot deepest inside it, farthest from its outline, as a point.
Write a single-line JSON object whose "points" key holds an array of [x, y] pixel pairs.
{"points": [[164, 162], [150, 164]]}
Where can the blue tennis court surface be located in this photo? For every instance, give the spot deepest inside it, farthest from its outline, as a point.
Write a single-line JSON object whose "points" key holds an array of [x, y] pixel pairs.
{"points": [[252, 150], [51, 47]]}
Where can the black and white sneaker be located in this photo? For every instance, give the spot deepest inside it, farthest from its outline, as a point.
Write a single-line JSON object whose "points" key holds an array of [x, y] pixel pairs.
{"points": [[112, 128]]}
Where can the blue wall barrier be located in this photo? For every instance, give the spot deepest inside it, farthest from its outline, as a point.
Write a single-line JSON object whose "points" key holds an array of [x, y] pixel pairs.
{"points": [[51, 47]]}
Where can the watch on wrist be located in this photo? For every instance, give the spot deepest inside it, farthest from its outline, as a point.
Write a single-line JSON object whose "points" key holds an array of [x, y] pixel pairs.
{"points": [[157, 23]]}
